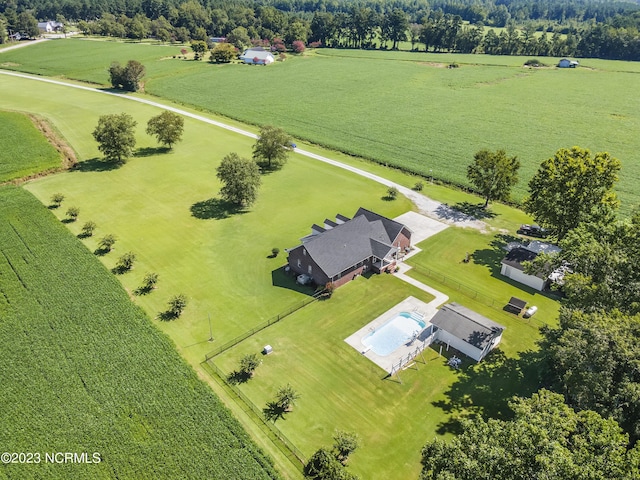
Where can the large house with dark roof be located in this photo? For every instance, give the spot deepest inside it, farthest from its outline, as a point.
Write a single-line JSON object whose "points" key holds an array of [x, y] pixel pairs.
{"points": [[340, 250]]}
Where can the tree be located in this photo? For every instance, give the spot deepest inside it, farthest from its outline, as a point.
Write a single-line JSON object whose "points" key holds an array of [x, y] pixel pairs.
{"points": [[392, 193], [199, 48], [272, 147], [398, 22], [345, 443], [493, 174], [297, 46], [239, 38], [323, 465], [88, 228], [176, 305], [573, 187], [125, 262], [56, 199], [73, 213], [128, 77], [166, 127], [223, 53], [604, 263], [545, 439], [106, 243], [241, 179], [27, 25], [593, 359], [115, 136], [249, 363], [149, 282], [286, 397]]}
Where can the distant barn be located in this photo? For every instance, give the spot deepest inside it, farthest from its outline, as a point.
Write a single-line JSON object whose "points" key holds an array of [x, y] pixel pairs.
{"points": [[257, 56], [566, 63]]}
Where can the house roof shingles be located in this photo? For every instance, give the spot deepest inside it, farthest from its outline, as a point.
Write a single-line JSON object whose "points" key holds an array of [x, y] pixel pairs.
{"points": [[467, 325], [346, 244]]}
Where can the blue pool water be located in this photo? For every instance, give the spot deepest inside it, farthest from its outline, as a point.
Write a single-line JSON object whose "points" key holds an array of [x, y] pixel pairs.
{"points": [[399, 330]]}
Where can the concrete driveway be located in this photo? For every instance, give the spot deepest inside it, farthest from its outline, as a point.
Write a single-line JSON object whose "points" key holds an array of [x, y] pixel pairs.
{"points": [[421, 226]]}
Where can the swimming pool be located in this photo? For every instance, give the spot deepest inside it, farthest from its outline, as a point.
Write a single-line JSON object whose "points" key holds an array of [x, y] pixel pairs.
{"points": [[394, 333]]}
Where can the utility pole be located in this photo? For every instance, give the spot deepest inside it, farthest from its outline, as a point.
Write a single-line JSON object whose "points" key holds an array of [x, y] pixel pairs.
{"points": [[210, 329]]}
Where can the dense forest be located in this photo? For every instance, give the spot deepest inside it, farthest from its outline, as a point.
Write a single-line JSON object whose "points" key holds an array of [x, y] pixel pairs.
{"points": [[580, 28]]}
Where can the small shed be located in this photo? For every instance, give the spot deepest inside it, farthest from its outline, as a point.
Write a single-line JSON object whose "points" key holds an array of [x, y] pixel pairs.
{"points": [[516, 304], [467, 331], [566, 63]]}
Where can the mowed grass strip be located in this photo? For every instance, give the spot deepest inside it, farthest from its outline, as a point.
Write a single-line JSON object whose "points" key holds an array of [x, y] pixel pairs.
{"points": [[25, 150], [84, 370]]}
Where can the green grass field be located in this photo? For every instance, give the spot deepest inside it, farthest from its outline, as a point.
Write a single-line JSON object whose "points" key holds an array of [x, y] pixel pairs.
{"points": [[395, 419], [24, 149], [399, 108], [84, 370], [162, 207]]}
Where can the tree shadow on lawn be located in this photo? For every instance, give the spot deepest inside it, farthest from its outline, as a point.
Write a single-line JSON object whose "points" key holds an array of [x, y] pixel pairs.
{"points": [[273, 412], [215, 208], [96, 165], [150, 151], [491, 257], [475, 210], [484, 389], [281, 278], [101, 252], [167, 316], [236, 377]]}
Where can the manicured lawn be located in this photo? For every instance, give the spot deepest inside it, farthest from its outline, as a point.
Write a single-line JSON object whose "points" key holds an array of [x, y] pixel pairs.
{"points": [[479, 283], [342, 389], [440, 117], [24, 149]]}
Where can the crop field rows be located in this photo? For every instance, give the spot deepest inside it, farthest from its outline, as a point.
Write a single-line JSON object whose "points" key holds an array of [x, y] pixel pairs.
{"points": [[85, 371]]}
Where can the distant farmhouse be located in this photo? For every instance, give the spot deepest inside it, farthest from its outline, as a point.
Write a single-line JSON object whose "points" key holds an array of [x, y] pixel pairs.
{"points": [[512, 263], [467, 331], [50, 26], [566, 63], [339, 251], [257, 56]]}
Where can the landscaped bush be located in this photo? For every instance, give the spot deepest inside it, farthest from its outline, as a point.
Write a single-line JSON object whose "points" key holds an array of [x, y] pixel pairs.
{"points": [[534, 62], [72, 213], [56, 199], [418, 186], [298, 46], [88, 228], [392, 193]]}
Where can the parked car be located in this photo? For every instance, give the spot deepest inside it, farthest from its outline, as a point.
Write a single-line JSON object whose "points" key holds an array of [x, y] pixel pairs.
{"points": [[533, 230]]}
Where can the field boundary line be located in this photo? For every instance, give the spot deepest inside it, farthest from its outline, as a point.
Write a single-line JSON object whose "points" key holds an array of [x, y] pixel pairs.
{"points": [[274, 434]]}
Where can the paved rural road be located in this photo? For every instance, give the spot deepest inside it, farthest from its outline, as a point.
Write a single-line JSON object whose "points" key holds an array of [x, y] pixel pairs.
{"points": [[426, 206], [23, 44]]}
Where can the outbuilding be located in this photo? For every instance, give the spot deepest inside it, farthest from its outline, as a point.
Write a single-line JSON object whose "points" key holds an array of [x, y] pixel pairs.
{"points": [[467, 331], [257, 56]]}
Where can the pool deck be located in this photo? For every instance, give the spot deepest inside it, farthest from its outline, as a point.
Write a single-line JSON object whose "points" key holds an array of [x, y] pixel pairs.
{"points": [[409, 304]]}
